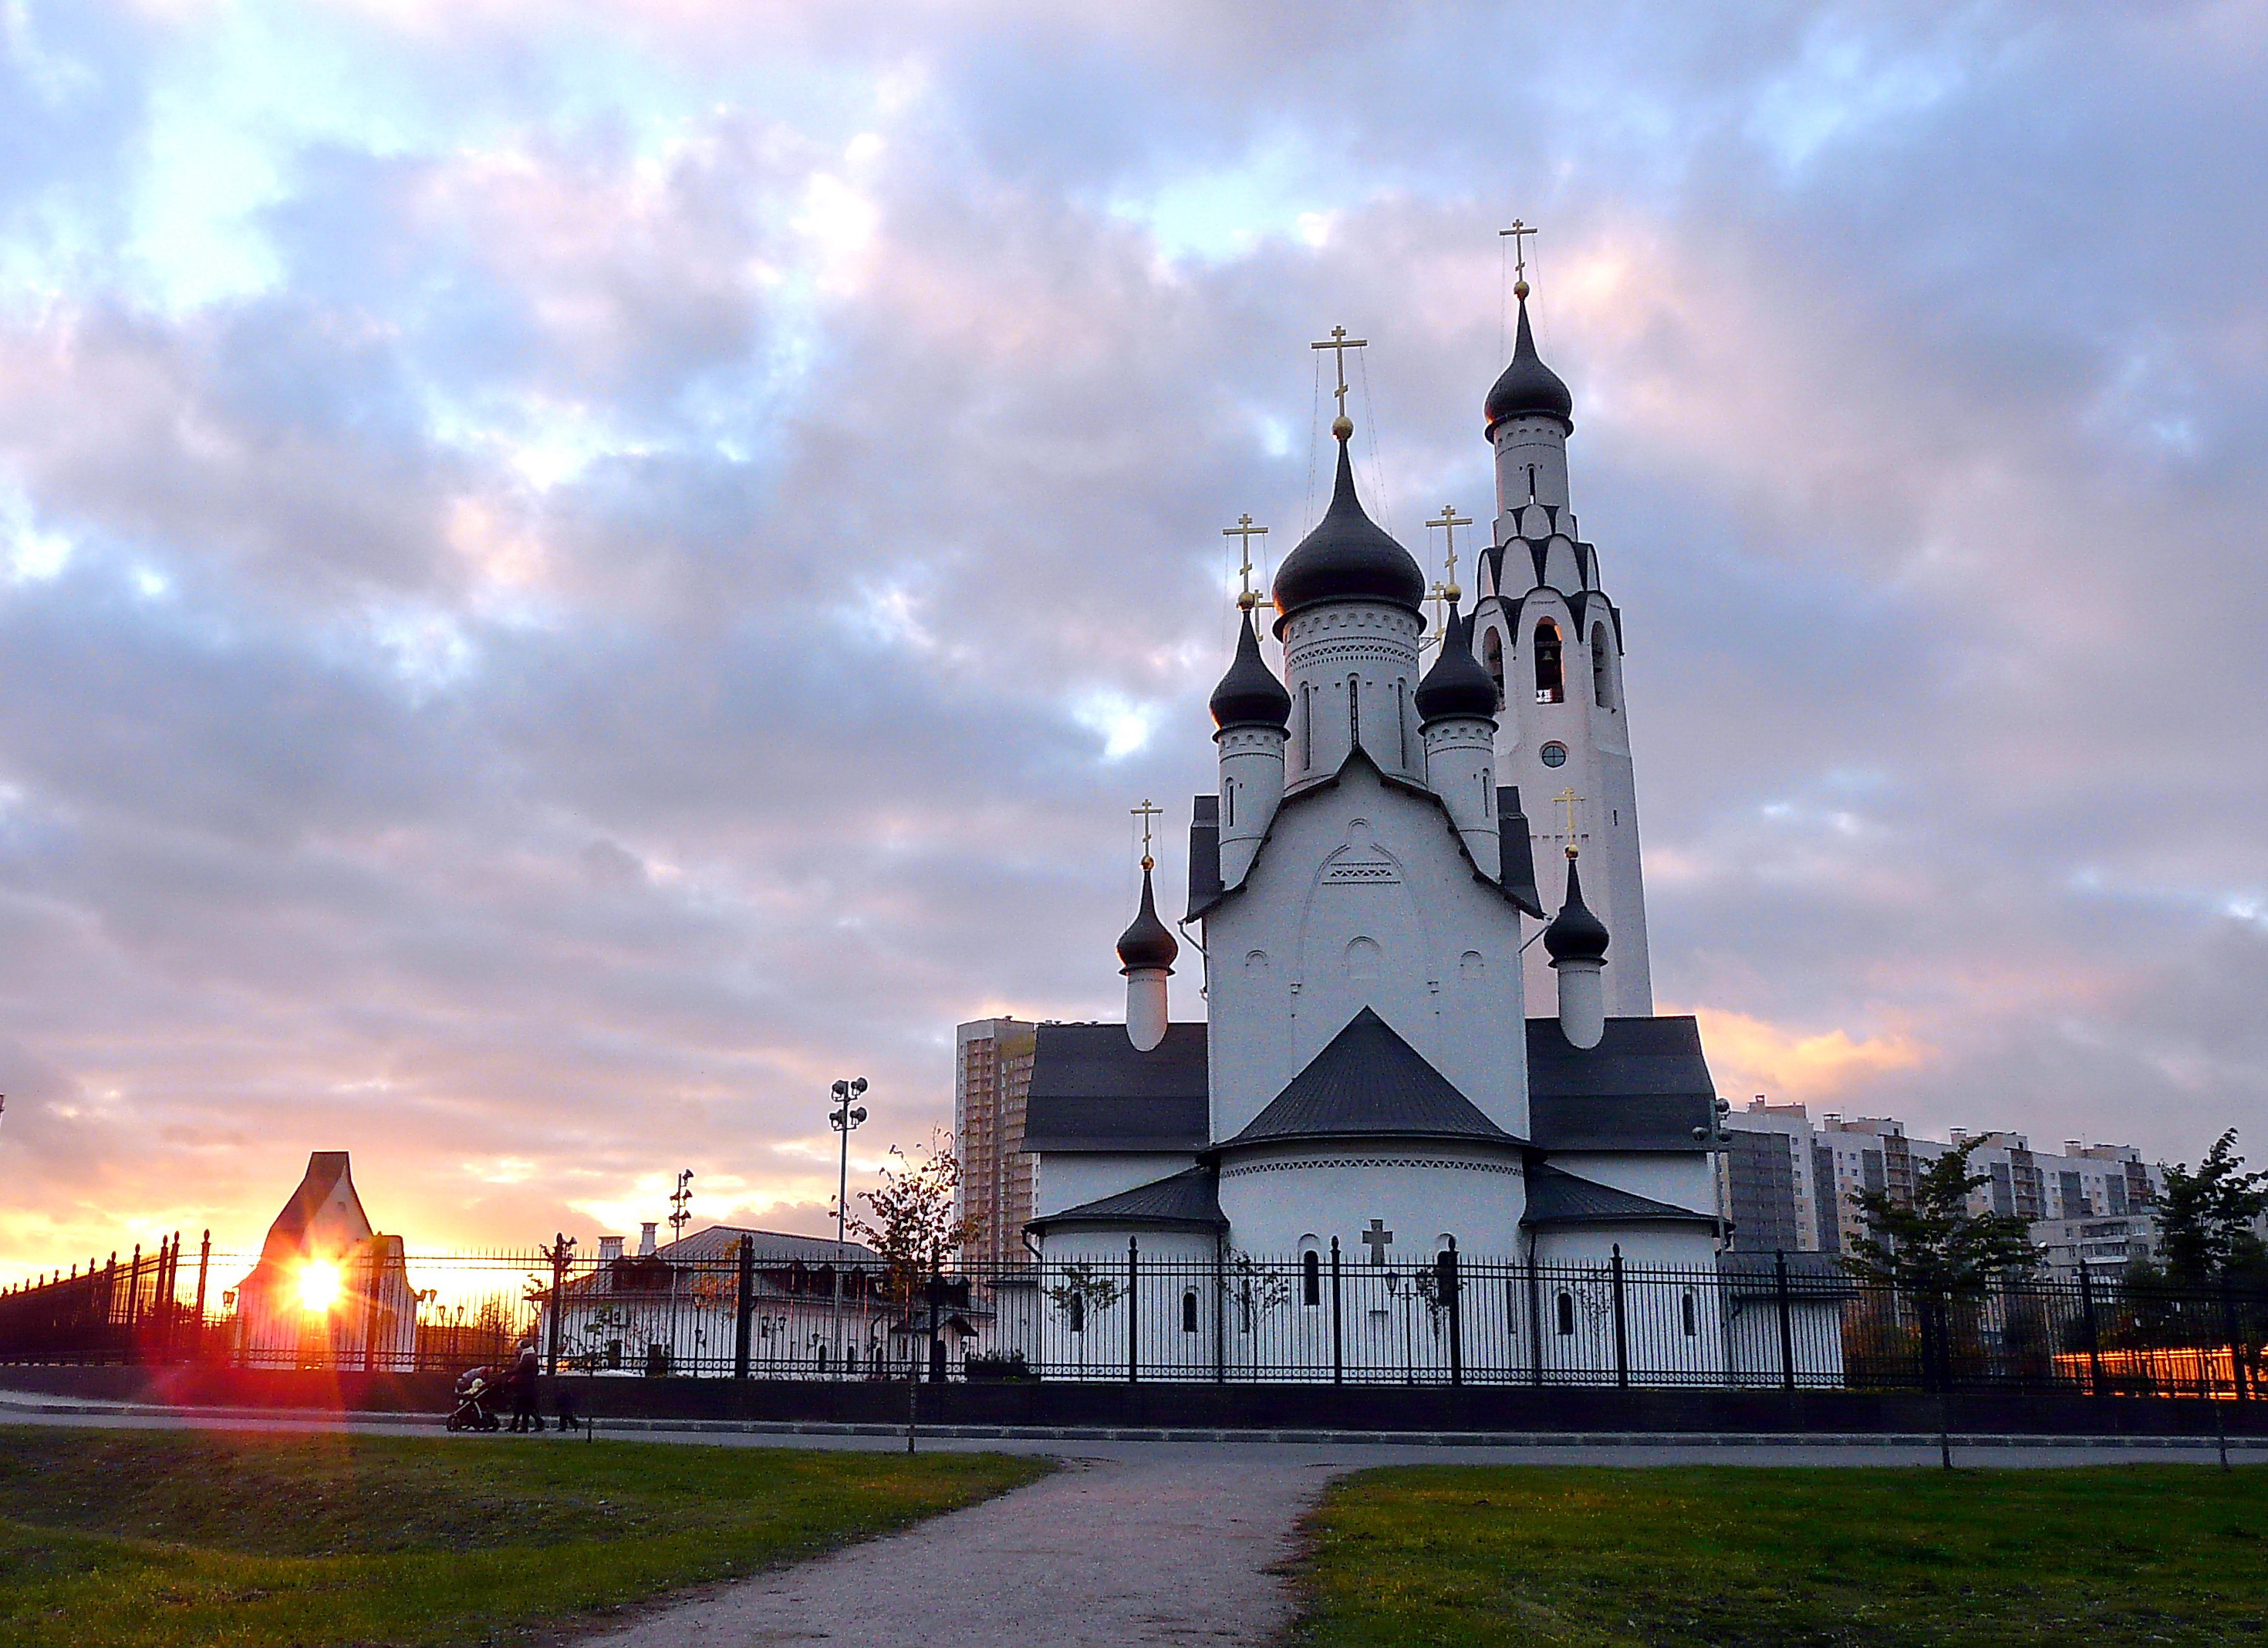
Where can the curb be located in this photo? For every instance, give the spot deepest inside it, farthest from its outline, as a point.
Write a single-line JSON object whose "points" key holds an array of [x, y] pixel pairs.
{"points": [[1101, 1434]]}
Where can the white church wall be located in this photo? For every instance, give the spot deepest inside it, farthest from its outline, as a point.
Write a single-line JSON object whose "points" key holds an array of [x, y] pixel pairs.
{"points": [[1281, 1203], [1752, 1339], [1374, 647], [1361, 899], [1065, 1178]]}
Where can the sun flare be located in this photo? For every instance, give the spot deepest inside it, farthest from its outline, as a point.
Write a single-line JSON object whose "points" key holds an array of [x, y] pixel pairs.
{"points": [[319, 1286]]}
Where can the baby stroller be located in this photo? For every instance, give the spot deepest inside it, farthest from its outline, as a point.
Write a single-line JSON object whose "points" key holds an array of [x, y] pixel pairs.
{"points": [[477, 1391]]}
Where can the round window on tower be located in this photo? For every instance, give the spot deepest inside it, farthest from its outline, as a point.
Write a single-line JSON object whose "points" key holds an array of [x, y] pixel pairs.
{"points": [[1554, 754]]}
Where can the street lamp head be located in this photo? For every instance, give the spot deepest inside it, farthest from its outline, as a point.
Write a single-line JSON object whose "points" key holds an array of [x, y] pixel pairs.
{"points": [[858, 1083], [843, 1090], [857, 1115]]}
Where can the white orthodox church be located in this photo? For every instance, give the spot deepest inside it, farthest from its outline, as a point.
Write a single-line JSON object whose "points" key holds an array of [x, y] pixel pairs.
{"points": [[1417, 898]]}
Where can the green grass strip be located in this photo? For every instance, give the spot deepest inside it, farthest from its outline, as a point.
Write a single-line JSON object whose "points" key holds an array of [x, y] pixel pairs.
{"points": [[138, 1539], [1518, 1557]]}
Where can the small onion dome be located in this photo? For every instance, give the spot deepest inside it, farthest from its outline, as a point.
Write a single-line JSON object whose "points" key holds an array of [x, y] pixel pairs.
{"points": [[1456, 685], [1147, 943], [1575, 934], [1527, 385], [1249, 694], [1347, 557]]}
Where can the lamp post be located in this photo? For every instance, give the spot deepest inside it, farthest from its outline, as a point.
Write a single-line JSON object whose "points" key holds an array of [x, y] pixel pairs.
{"points": [[844, 1119]]}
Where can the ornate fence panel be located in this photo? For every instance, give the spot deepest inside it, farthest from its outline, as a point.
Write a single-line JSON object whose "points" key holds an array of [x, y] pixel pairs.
{"points": [[1751, 1320]]}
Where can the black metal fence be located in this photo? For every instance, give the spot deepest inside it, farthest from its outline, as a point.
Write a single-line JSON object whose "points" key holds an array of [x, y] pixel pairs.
{"points": [[1752, 1320]]}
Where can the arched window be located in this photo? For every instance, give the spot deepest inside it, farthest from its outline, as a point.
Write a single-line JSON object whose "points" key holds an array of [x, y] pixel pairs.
{"points": [[1400, 723], [1311, 1278], [1354, 711], [850, 1359], [1307, 725], [1492, 661], [822, 1358], [1531, 483], [1550, 681], [1076, 1310], [1228, 803], [1566, 1313], [1189, 1309], [1603, 674], [1691, 1320]]}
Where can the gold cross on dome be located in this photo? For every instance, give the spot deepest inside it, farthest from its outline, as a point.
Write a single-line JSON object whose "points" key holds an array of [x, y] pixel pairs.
{"points": [[1569, 799], [1147, 811], [1448, 520], [1339, 343], [1518, 232], [1245, 530]]}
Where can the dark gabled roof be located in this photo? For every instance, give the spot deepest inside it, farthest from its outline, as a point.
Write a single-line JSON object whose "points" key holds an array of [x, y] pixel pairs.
{"points": [[1204, 855], [1093, 1091], [1515, 853], [1644, 1087], [1186, 1201], [723, 1242], [1556, 1196], [1370, 1084]]}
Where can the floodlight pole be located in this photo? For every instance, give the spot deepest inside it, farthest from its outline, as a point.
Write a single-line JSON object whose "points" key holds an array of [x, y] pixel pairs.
{"points": [[844, 1118]]}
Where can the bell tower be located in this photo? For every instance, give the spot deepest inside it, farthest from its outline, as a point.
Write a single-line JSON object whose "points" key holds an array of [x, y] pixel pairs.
{"points": [[1548, 636]]}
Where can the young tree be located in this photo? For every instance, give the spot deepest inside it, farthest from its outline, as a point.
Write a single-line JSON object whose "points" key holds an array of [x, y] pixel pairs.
{"points": [[1937, 1246], [912, 1224], [2205, 1217]]}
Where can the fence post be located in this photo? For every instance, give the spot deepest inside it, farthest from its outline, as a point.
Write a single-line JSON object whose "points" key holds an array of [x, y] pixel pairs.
{"points": [[2236, 1336], [134, 1306], [1622, 1331], [1445, 1285], [1786, 1320], [1133, 1312], [558, 1282], [204, 1267], [370, 1312], [1338, 1340], [1535, 1320], [744, 1305], [2094, 1334]]}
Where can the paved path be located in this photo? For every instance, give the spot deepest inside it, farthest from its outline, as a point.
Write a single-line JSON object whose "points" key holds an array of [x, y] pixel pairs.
{"points": [[1107, 1553]]}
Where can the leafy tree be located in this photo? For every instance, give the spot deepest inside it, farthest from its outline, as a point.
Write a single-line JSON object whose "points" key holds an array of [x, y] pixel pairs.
{"points": [[2206, 1217], [910, 1220], [1936, 1246]]}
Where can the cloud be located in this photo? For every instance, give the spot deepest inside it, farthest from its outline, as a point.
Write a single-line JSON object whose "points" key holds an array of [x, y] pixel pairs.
{"points": [[613, 564]]}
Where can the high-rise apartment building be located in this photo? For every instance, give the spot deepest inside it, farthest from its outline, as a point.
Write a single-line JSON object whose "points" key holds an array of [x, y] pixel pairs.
{"points": [[992, 1075], [1782, 1172]]}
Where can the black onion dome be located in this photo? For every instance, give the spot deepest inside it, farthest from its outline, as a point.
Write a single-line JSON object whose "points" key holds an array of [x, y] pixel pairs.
{"points": [[1456, 685], [1347, 557], [1146, 944], [1527, 385], [1249, 694], [1575, 934]]}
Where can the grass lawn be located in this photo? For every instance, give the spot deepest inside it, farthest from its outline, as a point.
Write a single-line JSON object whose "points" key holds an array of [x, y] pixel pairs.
{"points": [[1458, 1556], [168, 1539]]}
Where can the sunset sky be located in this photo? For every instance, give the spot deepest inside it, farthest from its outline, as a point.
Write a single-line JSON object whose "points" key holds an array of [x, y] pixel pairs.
{"points": [[571, 572]]}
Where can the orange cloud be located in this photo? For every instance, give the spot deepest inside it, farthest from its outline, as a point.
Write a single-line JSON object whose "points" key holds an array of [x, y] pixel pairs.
{"points": [[1749, 1055]]}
